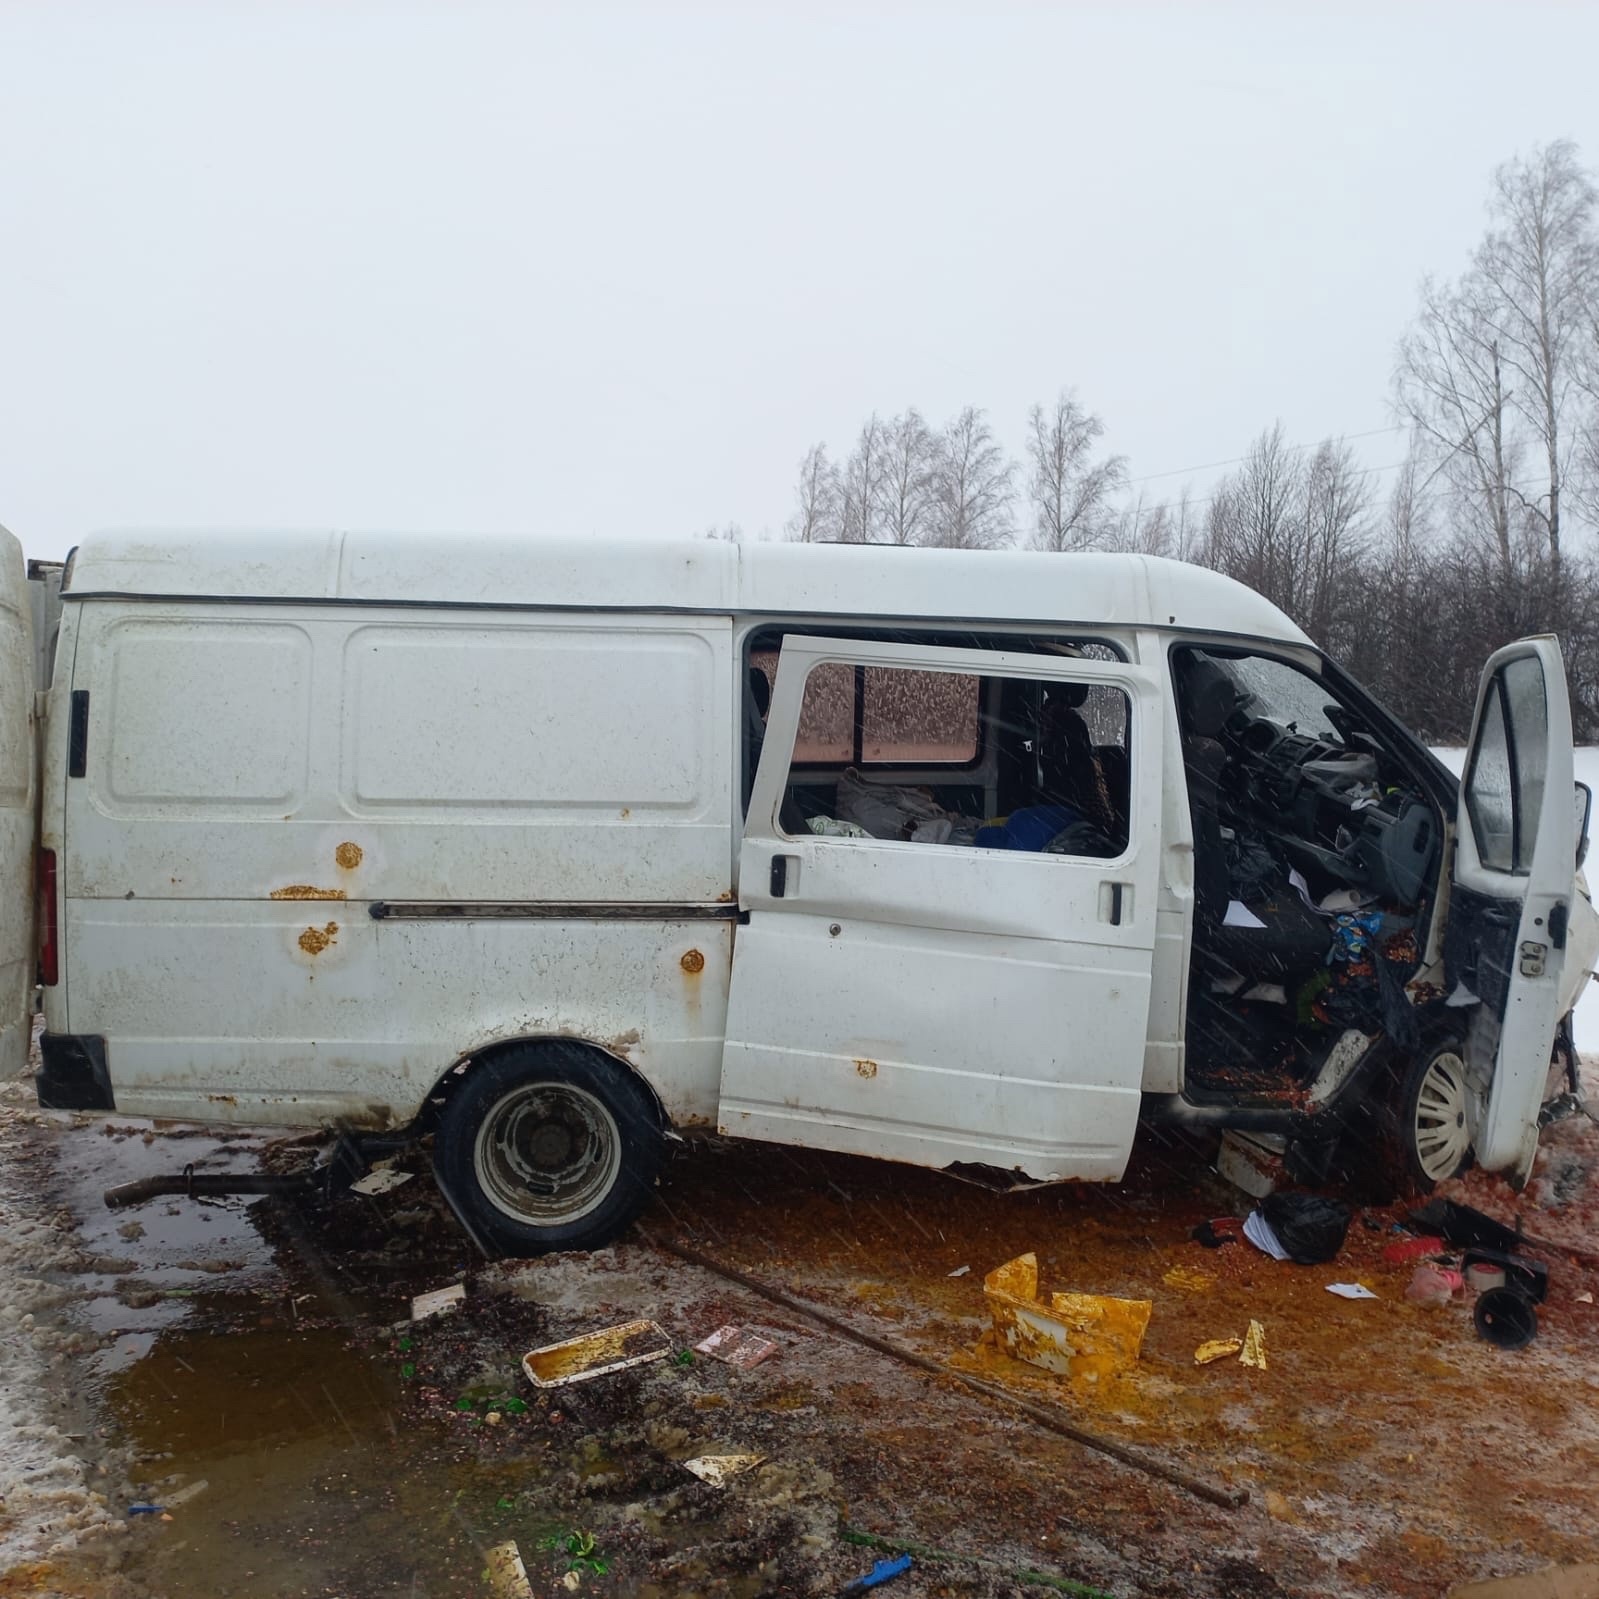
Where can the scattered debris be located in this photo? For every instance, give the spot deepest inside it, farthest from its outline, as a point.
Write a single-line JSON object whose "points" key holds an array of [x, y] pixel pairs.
{"points": [[1433, 1286], [1193, 1282], [1350, 1290], [1252, 1162], [738, 1346], [1310, 1229], [1506, 1317], [597, 1354], [1466, 1228], [1085, 1336], [718, 1470], [1254, 1350], [507, 1575], [1404, 1250], [381, 1180], [438, 1301], [1217, 1349], [960, 1271], [582, 1556], [184, 1495], [1024, 1575], [1259, 1232], [1584, 1298], [883, 1571], [1217, 1231], [146, 1510], [1481, 1275]]}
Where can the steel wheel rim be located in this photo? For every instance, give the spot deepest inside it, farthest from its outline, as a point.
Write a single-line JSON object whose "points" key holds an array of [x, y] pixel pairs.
{"points": [[1441, 1130], [547, 1153]]}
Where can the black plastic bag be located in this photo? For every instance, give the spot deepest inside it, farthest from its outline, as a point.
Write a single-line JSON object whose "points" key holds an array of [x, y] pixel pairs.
{"points": [[1310, 1228]]}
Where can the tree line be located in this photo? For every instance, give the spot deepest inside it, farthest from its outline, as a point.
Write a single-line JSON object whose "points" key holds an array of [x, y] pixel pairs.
{"points": [[1485, 534]]}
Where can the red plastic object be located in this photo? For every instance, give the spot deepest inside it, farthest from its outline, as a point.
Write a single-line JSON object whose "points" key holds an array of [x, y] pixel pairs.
{"points": [[1404, 1250]]}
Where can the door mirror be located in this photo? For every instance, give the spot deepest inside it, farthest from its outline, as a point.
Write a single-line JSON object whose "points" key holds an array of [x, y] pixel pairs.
{"points": [[1583, 798]]}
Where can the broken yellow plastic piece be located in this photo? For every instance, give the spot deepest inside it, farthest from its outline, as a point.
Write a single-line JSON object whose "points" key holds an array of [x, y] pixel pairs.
{"points": [[1082, 1336], [1196, 1282], [1254, 1352], [1217, 1349]]}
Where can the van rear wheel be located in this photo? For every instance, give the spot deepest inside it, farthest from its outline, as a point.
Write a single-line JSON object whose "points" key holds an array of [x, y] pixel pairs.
{"points": [[548, 1147]]}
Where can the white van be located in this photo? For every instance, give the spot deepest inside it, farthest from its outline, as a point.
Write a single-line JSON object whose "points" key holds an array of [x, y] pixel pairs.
{"points": [[550, 849]]}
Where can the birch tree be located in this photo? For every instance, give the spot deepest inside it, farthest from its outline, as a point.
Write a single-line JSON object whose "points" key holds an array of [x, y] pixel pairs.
{"points": [[817, 499], [973, 503], [1069, 488]]}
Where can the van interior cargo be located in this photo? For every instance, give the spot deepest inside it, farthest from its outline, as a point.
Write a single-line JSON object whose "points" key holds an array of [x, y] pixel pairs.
{"points": [[1314, 855]]}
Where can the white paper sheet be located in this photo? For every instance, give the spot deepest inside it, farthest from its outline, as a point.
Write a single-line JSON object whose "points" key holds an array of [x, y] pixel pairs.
{"points": [[1258, 1231], [1350, 1290], [1240, 915]]}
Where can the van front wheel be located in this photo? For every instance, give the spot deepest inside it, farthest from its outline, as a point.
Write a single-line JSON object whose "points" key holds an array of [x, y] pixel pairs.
{"points": [[548, 1147], [1434, 1116]]}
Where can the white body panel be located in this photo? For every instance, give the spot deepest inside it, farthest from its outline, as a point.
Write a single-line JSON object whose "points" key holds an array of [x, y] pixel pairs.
{"points": [[17, 803], [257, 779], [1499, 806], [939, 1004]]}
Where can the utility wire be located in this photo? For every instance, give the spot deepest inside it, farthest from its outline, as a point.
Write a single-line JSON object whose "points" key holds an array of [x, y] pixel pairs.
{"points": [[1211, 466]]}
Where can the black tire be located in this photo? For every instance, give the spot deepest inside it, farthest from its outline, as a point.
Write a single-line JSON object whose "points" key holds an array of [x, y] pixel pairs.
{"points": [[546, 1147], [1429, 1128]]}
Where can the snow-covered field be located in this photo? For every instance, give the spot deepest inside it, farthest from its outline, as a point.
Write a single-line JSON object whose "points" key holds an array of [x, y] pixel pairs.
{"points": [[1585, 1025]]}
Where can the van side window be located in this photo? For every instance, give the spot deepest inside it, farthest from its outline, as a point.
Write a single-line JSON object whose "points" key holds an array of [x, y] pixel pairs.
{"points": [[1038, 765], [1504, 788]]}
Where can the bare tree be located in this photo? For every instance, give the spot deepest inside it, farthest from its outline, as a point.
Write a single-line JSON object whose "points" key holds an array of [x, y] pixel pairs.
{"points": [[861, 499], [1449, 385], [1169, 528], [1070, 490], [1540, 269], [1337, 529], [909, 480], [973, 505], [1255, 529], [817, 499]]}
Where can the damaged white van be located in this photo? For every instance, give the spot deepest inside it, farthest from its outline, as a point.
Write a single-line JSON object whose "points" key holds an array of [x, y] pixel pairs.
{"points": [[552, 849]]}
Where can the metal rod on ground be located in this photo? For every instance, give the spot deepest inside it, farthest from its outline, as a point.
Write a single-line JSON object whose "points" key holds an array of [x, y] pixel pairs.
{"points": [[1214, 1493]]}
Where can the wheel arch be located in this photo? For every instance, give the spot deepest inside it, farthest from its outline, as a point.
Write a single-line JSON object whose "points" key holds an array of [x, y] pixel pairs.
{"points": [[450, 1080]]}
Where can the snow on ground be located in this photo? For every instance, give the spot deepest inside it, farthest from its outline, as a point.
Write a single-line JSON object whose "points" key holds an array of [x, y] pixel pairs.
{"points": [[1585, 1026], [50, 1496]]}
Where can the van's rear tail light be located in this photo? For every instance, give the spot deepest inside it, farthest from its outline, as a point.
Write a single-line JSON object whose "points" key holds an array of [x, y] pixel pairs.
{"points": [[49, 942]]}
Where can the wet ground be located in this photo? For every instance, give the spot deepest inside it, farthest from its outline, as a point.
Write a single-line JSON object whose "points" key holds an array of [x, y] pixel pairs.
{"points": [[245, 1369]]}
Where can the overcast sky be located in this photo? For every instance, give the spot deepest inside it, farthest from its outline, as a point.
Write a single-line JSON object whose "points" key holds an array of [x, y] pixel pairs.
{"points": [[589, 268]]}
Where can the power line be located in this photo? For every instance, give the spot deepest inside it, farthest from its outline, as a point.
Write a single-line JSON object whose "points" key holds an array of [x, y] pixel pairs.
{"points": [[1211, 466], [1166, 505]]}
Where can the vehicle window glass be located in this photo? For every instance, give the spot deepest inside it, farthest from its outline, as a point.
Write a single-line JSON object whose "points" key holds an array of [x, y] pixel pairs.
{"points": [[1489, 791], [918, 717], [1068, 785], [1529, 750], [1282, 694]]}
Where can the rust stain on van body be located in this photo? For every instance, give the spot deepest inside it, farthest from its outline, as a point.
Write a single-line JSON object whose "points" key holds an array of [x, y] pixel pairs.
{"points": [[866, 1068], [693, 963], [306, 891], [316, 939], [348, 856]]}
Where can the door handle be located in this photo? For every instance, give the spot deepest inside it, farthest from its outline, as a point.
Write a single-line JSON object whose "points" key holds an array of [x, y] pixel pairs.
{"points": [[779, 880], [1115, 902]]}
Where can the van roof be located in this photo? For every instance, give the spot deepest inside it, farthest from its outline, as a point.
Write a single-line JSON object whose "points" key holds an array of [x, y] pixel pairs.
{"points": [[816, 580]]}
